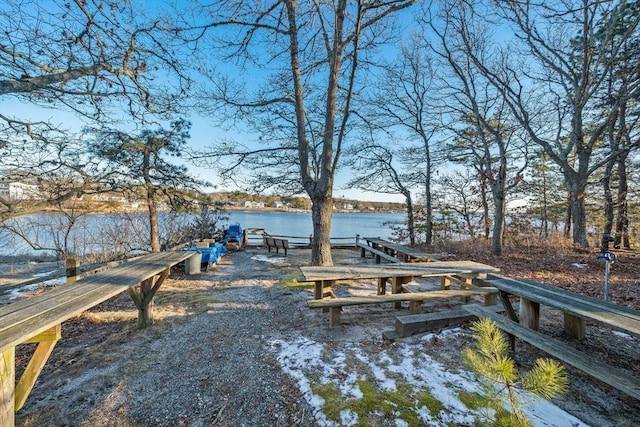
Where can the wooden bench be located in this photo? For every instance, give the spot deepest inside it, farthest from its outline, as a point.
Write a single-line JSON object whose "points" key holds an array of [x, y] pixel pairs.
{"points": [[411, 324], [615, 377], [415, 299], [38, 319], [273, 242], [576, 308], [393, 252]]}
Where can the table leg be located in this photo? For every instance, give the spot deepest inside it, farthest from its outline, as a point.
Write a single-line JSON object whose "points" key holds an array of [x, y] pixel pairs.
{"points": [[396, 288], [382, 285], [529, 314], [574, 326]]}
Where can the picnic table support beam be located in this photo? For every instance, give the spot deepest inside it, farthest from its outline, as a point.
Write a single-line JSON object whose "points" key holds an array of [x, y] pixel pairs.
{"points": [[396, 288], [143, 299], [529, 314], [46, 341], [7, 402], [574, 326], [382, 285]]}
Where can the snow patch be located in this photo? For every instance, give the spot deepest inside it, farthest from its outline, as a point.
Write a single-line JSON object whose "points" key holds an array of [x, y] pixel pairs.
{"points": [[272, 260], [308, 361]]}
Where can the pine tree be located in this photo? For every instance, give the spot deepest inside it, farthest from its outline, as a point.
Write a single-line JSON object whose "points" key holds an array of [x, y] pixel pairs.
{"points": [[491, 360]]}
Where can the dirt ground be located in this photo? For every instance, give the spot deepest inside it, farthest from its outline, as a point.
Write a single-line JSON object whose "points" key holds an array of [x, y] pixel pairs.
{"points": [[206, 360]]}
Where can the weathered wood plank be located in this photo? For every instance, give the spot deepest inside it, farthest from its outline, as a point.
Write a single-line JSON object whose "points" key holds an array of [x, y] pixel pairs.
{"points": [[8, 378], [381, 299], [615, 377], [412, 324], [46, 343], [573, 304]]}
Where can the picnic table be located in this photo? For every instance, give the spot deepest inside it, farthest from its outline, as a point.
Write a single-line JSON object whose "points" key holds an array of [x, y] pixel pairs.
{"points": [[390, 251], [325, 278], [576, 309], [38, 319]]}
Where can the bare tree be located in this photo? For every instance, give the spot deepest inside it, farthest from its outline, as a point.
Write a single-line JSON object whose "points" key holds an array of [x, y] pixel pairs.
{"points": [[404, 100], [100, 61], [310, 53], [376, 169], [488, 141], [549, 75]]}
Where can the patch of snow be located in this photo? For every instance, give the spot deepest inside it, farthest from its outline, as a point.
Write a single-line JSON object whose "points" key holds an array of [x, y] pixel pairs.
{"points": [[307, 361], [622, 335], [44, 274], [272, 260], [580, 266], [34, 286]]}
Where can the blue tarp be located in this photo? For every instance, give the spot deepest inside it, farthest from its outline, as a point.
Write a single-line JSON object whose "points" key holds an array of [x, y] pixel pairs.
{"points": [[210, 254], [233, 234]]}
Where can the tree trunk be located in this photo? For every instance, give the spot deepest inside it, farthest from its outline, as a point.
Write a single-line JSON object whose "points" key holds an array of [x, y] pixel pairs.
{"points": [[608, 207], [410, 219], [568, 219], [428, 238], [622, 218], [154, 233], [578, 214], [321, 212], [485, 206]]}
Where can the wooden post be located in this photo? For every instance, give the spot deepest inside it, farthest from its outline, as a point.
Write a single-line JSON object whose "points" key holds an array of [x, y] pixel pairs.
{"points": [[334, 316], [382, 285], [7, 398], [396, 288], [574, 326], [46, 341], [72, 265], [529, 314]]}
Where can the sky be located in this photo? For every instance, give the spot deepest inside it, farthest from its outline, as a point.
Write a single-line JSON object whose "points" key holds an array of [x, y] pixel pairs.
{"points": [[203, 133]]}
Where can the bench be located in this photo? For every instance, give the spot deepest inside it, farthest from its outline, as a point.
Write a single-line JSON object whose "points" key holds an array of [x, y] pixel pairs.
{"points": [[277, 244], [615, 377], [412, 324], [576, 308], [393, 252], [415, 299], [38, 319]]}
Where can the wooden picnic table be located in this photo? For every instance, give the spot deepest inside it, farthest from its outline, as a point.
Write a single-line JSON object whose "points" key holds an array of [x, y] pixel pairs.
{"points": [[576, 308], [325, 278], [390, 251], [38, 319]]}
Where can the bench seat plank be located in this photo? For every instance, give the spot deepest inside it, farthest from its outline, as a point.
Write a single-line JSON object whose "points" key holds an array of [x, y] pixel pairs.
{"points": [[573, 304], [411, 296], [617, 378]]}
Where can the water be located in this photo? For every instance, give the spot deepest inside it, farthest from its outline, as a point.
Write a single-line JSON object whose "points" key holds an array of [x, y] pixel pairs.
{"points": [[102, 233], [344, 224]]}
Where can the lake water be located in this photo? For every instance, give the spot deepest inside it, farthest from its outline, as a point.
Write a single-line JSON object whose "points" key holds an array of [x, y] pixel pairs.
{"points": [[344, 224], [96, 233]]}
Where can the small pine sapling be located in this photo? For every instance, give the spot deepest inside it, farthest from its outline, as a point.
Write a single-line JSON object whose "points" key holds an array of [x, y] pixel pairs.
{"points": [[491, 360]]}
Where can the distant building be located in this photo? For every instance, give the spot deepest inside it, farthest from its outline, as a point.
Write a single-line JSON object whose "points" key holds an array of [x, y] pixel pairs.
{"points": [[18, 190], [277, 205]]}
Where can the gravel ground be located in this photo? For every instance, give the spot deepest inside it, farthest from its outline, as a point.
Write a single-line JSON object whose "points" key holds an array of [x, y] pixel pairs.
{"points": [[209, 358]]}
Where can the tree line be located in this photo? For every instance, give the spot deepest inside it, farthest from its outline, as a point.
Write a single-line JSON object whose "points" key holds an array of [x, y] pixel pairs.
{"points": [[459, 106]]}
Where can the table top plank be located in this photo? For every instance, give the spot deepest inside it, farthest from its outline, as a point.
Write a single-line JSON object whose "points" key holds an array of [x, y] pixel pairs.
{"points": [[432, 269]]}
